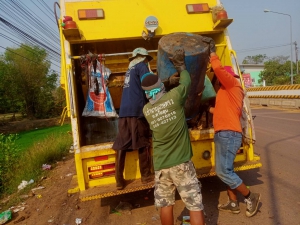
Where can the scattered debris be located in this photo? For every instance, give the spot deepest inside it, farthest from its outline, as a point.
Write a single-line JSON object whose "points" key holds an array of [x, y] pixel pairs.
{"points": [[24, 183], [46, 167], [186, 220], [5, 216], [137, 206], [71, 150], [39, 196], [37, 188], [124, 207], [155, 217], [78, 221], [18, 208]]}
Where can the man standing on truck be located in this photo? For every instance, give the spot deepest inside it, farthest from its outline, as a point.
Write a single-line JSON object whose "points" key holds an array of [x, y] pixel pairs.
{"points": [[228, 135], [134, 132], [172, 150]]}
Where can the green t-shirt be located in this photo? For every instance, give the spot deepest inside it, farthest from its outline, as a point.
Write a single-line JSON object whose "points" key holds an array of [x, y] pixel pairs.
{"points": [[171, 140]]}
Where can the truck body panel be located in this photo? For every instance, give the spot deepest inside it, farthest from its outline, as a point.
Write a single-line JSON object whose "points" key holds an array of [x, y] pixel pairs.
{"points": [[120, 29]]}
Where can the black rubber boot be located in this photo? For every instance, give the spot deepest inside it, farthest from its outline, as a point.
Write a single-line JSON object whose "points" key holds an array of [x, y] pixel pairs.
{"points": [[145, 165], [120, 164]]}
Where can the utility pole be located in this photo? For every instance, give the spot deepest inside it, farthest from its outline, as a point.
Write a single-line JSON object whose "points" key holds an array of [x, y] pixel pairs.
{"points": [[296, 51]]}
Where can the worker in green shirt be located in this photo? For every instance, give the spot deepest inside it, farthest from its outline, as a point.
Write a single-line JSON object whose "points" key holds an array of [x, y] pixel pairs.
{"points": [[172, 150]]}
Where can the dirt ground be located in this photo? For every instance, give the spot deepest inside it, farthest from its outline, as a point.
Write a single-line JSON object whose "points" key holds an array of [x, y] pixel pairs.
{"points": [[51, 205]]}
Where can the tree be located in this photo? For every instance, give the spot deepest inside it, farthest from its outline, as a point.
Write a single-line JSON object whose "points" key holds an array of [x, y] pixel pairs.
{"points": [[28, 80], [256, 59], [276, 71], [8, 103]]}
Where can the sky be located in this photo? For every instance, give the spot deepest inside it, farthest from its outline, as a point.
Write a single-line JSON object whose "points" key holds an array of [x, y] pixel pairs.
{"points": [[252, 32], [32, 22], [255, 32]]}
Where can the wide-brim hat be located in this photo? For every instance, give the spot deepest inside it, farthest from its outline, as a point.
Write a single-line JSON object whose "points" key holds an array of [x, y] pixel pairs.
{"points": [[142, 52], [229, 69]]}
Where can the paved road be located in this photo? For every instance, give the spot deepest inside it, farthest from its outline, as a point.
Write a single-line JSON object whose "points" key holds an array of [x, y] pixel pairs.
{"points": [[278, 144]]}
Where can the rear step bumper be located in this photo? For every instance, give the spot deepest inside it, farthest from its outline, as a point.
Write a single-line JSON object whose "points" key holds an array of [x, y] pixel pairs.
{"points": [[110, 190]]}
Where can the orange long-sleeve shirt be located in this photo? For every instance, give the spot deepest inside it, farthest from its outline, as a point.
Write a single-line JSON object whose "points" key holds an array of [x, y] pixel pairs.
{"points": [[229, 99]]}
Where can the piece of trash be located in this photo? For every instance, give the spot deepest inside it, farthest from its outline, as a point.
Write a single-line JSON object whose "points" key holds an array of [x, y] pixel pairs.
{"points": [[39, 196], [71, 150], [46, 167], [124, 207], [186, 220], [69, 174], [154, 218], [50, 221], [78, 221], [17, 208], [31, 181], [24, 183], [5, 216], [38, 188], [115, 212]]}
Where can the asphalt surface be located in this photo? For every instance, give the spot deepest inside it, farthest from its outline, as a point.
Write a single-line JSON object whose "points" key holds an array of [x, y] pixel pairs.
{"points": [[278, 144], [278, 181]]}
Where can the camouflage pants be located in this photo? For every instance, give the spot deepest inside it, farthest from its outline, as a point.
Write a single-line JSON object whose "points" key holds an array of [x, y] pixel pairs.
{"points": [[183, 178]]}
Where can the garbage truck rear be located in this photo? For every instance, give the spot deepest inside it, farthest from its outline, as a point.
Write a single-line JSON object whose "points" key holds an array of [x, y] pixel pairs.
{"points": [[109, 31]]}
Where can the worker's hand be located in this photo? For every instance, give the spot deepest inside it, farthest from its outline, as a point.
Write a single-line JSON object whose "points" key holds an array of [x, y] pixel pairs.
{"points": [[211, 42], [174, 79], [178, 58]]}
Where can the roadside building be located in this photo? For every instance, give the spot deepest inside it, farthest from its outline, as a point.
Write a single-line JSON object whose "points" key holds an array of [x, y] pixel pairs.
{"points": [[251, 73]]}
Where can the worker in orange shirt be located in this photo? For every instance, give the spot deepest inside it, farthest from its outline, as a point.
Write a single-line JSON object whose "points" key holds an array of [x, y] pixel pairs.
{"points": [[228, 135]]}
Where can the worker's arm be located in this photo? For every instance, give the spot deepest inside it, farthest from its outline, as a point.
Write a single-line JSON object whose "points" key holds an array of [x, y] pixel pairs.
{"points": [[185, 80], [226, 79]]}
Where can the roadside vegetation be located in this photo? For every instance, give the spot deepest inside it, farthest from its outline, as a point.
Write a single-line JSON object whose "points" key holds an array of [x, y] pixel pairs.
{"points": [[22, 156]]}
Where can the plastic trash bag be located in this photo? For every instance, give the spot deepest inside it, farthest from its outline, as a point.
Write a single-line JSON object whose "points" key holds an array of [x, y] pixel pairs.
{"points": [[99, 102], [5, 216]]}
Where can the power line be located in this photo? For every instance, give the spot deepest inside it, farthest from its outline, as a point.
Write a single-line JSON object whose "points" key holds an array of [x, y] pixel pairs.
{"points": [[24, 23], [261, 48], [21, 45]]}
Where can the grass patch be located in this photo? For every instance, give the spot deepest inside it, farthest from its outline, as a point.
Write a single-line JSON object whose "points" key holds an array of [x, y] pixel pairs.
{"points": [[47, 146], [27, 139]]}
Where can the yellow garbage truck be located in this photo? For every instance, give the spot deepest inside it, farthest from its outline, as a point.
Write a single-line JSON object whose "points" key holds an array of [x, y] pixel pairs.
{"points": [[97, 38]]}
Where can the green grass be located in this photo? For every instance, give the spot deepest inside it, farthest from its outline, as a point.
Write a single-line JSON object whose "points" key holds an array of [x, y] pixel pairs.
{"points": [[28, 138], [38, 147]]}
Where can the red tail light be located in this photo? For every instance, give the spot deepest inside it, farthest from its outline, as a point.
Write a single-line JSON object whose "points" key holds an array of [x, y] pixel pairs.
{"points": [[197, 8]]}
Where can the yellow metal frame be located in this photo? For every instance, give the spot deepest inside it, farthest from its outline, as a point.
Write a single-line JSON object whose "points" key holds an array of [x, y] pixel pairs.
{"points": [[109, 30]]}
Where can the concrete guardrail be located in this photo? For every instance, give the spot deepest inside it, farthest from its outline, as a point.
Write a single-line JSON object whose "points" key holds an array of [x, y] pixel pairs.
{"points": [[286, 96]]}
